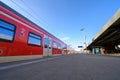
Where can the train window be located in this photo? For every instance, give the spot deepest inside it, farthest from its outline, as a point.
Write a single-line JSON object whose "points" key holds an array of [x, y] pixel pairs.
{"points": [[54, 45], [34, 39], [7, 31], [59, 46], [63, 46], [46, 42]]}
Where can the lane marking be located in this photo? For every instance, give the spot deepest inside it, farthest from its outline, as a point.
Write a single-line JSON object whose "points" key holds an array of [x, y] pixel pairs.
{"points": [[26, 63]]}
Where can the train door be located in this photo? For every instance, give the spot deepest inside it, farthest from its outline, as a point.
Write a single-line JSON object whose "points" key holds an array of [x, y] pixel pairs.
{"points": [[62, 49], [47, 46], [50, 46]]}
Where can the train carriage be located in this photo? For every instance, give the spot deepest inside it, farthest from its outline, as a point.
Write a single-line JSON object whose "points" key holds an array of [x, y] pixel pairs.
{"points": [[19, 36]]}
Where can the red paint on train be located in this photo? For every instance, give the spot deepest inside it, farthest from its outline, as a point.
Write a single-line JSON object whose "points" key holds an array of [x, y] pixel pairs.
{"points": [[23, 32]]}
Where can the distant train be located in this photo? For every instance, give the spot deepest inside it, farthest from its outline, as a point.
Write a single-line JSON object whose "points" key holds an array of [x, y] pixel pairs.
{"points": [[20, 36]]}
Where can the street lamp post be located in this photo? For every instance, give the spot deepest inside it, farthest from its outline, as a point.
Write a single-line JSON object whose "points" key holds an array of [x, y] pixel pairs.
{"points": [[82, 29]]}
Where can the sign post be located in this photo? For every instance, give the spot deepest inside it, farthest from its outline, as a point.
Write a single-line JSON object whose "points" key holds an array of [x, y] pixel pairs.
{"points": [[80, 48]]}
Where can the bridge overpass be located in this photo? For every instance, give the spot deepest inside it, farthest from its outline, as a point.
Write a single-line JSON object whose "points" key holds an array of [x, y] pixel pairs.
{"points": [[108, 39]]}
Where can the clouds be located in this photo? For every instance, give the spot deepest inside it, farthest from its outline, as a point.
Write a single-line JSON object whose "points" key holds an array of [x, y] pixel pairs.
{"points": [[65, 38]]}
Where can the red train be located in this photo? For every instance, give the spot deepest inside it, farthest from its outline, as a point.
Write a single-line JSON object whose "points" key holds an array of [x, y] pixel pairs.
{"points": [[20, 36]]}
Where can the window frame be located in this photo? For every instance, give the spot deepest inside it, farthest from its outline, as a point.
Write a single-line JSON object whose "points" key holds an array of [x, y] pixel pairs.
{"points": [[59, 46], [56, 45], [46, 39], [35, 38], [14, 31]]}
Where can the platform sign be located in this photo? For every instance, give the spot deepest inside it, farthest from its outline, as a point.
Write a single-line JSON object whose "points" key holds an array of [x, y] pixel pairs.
{"points": [[80, 46]]}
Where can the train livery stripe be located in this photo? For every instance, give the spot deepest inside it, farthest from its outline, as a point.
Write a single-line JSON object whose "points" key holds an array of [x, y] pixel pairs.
{"points": [[20, 22]]}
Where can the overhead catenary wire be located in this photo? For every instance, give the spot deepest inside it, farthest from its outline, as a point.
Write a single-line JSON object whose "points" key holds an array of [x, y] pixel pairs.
{"points": [[31, 16], [26, 12], [32, 10]]}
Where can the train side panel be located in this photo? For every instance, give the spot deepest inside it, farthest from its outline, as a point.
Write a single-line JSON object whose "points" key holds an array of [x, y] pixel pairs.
{"points": [[19, 36], [19, 45]]}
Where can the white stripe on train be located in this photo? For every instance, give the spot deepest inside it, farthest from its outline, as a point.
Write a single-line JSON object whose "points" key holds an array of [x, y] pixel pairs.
{"points": [[20, 22]]}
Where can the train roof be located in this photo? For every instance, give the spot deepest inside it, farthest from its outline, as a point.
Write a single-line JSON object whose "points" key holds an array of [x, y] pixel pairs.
{"points": [[15, 12]]}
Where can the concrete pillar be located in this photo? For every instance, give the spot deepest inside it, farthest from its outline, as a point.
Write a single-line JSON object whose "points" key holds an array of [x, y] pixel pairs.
{"points": [[102, 50]]}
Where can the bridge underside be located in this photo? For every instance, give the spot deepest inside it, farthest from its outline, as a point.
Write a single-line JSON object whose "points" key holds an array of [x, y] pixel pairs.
{"points": [[108, 39]]}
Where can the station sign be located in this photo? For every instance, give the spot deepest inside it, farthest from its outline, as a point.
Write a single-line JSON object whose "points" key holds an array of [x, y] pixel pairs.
{"points": [[80, 46]]}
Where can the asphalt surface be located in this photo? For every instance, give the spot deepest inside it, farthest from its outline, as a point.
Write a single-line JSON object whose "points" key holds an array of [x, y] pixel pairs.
{"points": [[66, 67]]}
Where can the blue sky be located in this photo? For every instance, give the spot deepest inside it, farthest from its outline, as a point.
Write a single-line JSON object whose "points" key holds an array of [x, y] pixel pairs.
{"points": [[65, 18]]}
